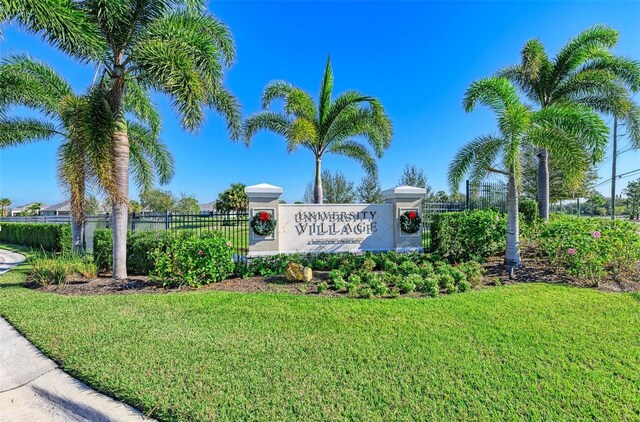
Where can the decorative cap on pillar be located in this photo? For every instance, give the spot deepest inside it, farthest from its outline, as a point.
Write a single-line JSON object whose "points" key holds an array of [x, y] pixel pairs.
{"points": [[262, 191], [404, 193]]}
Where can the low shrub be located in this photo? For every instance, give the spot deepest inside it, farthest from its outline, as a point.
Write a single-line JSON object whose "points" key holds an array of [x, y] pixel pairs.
{"points": [[322, 287], [468, 235], [592, 249], [410, 282], [192, 261], [473, 272], [354, 279], [50, 269], [408, 267], [139, 247], [377, 285], [528, 210], [50, 237], [430, 287]]}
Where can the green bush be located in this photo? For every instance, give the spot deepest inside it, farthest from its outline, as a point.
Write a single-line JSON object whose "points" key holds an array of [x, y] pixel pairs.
{"points": [[192, 261], [592, 249], [430, 287], [528, 210], [322, 287], [48, 269], [139, 247], [103, 249], [377, 285], [50, 237], [473, 272], [468, 235], [408, 267], [410, 282]]}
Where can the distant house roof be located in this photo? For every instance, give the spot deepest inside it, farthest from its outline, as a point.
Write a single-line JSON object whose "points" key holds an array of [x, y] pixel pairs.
{"points": [[208, 207], [59, 207], [16, 210]]}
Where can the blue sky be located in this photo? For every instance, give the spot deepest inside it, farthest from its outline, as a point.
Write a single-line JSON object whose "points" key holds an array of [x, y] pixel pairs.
{"points": [[417, 57]]}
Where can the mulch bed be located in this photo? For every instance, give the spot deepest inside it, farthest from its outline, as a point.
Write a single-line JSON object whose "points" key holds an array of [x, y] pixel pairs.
{"points": [[534, 269]]}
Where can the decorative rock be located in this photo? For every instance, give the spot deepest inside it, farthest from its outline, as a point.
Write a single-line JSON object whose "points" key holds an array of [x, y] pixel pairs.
{"points": [[298, 272]]}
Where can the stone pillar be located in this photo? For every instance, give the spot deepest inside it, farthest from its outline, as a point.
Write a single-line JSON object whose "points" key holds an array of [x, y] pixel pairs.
{"points": [[403, 199], [263, 198]]}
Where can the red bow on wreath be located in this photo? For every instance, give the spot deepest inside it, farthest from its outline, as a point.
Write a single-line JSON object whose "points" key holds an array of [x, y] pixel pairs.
{"points": [[264, 216], [412, 215]]}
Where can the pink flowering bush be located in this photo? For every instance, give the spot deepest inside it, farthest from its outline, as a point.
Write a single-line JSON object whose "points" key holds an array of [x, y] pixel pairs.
{"points": [[592, 249]]}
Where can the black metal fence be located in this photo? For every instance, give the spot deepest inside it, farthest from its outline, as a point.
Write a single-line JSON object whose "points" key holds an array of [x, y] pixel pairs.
{"points": [[235, 226], [482, 196]]}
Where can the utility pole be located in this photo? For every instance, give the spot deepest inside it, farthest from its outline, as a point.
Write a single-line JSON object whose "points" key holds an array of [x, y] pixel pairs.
{"points": [[613, 168]]}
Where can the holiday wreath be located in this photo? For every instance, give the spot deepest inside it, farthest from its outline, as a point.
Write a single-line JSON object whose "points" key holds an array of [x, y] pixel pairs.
{"points": [[410, 222], [263, 224]]}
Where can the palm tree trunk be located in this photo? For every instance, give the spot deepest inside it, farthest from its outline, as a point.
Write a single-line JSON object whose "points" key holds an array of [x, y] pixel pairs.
{"points": [[512, 255], [77, 227], [120, 205], [317, 190], [543, 183]]}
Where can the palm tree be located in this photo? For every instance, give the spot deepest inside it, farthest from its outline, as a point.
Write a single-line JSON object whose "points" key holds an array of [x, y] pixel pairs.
{"points": [[329, 127], [561, 128], [583, 72], [5, 203], [84, 162], [171, 46]]}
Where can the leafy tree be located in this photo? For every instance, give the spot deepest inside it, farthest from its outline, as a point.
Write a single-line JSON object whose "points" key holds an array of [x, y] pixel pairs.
{"points": [[174, 47], [369, 191], [233, 199], [91, 205], [335, 187], [518, 126], [331, 127], [413, 175], [583, 72], [441, 196], [187, 205], [5, 203], [135, 207], [596, 204], [158, 200], [560, 187], [33, 209], [632, 192], [84, 160]]}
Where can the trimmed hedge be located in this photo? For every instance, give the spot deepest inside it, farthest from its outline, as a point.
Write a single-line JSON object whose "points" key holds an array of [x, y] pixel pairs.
{"points": [[139, 248], [52, 237], [468, 235]]}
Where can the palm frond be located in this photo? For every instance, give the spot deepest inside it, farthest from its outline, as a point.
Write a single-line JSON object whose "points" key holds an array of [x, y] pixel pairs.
{"points": [[357, 152], [585, 46], [275, 90], [496, 93], [476, 156], [168, 66], [20, 130], [62, 23], [266, 120], [625, 69], [150, 148], [138, 102], [326, 88]]}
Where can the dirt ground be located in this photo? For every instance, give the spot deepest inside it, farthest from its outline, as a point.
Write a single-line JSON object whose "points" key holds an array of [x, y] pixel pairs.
{"points": [[534, 269]]}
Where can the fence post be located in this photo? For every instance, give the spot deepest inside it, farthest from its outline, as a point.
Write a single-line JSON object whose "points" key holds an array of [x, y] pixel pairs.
{"points": [[468, 197], [166, 220], [108, 221], [133, 221]]}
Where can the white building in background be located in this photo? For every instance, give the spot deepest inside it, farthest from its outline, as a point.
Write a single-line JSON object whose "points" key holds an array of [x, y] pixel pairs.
{"points": [[13, 212]]}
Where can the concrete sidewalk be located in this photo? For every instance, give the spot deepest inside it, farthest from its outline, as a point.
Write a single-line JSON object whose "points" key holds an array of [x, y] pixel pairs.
{"points": [[33, 388]]}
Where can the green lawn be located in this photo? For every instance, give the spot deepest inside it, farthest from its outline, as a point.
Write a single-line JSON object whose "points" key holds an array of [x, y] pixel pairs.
{"points": [[542, 352]]}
